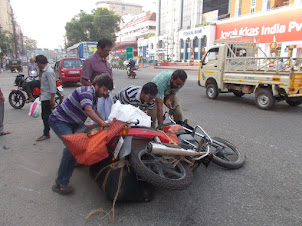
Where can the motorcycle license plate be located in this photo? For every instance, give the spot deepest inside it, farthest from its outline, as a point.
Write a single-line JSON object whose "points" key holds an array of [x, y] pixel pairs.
{"points": [[60, 88], [74, 72], [118, 147]]}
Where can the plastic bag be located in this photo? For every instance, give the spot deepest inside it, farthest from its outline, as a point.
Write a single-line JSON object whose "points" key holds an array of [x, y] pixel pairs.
{"points": [[127, 112], [35, 108]]}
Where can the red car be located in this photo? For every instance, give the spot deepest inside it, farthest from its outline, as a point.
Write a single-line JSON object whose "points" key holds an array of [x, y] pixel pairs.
{"points": [[68, 69]]}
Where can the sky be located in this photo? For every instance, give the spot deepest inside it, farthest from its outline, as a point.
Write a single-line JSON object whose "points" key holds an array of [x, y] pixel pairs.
{"points": [[44, 21]]}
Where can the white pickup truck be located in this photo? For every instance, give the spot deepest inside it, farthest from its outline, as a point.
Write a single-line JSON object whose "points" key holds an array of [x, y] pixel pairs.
{"points": [[233, 66]]}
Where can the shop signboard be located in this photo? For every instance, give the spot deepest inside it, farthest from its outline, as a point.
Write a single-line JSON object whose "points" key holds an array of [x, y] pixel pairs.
{"points": [[279, 26]]}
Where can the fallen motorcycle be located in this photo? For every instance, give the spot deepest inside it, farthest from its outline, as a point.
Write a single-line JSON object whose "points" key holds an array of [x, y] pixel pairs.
{"points": [[17, 97], [168, 156]]}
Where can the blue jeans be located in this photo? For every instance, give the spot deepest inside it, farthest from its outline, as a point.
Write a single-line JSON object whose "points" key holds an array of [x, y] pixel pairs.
{"points": [[67, 162]]}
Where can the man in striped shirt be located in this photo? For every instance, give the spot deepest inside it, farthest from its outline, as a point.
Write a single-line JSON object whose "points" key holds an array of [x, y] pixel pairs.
{"points": [[168, 84], [141, 97], [71, 115]]}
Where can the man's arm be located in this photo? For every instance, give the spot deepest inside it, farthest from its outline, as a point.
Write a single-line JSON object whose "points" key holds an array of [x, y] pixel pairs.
{"points": [[93, 115], [160, 113], [52, 99], [168, 102], [86, 73], [1, 97], [85, 82]]}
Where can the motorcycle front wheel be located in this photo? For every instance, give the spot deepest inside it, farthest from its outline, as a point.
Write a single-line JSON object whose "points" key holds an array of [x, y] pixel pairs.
{"points": [[229, 156], [162, 171], [17, 99]]}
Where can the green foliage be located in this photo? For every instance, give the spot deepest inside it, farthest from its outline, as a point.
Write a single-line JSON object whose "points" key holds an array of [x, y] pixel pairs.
{"points": [[6, 43], [30, 44], [102, 23]]}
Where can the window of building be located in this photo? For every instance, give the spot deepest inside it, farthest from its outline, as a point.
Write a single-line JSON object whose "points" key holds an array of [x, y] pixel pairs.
{"points": [[160, 44], [253, 6], [195, 42], [280, 3], [238, 5], [181, 43], [205, 40], [266, 5]]}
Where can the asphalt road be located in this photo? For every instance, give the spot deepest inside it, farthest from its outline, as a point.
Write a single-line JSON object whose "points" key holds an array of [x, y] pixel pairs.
{"points": [[266, 191]]}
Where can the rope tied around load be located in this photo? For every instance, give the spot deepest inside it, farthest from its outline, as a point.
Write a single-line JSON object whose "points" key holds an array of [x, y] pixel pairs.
{"points": [[113, 166]]}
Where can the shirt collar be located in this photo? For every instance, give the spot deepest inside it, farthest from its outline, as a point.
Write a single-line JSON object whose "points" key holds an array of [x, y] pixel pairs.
{"points": [[99, 58], [45, 68]]}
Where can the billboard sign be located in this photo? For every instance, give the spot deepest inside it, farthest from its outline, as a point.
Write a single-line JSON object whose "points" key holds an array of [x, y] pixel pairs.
{"points": [[277, 26]]}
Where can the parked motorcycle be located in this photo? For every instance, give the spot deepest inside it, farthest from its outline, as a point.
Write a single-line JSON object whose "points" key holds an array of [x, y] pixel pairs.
{"points": [[168, 156], [131, 72], [17, 97]]}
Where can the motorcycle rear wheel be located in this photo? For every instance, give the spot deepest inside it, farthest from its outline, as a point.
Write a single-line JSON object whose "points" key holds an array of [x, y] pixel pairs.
{"points": [[159, 170], [17, 99], [58, 98], [231, 157]]}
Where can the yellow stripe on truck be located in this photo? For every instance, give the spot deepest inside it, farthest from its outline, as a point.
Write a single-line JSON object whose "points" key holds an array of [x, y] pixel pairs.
{"points": [[210, 72]]}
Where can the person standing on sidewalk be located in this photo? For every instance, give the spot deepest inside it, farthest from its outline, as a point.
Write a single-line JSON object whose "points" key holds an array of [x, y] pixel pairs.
{"points": [[2, 99], [95, 65], [71, 116], [48, 91], [168, 84]]}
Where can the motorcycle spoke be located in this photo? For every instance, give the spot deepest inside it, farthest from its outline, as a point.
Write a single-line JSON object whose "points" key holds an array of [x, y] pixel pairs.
{"points": [[224, 154], [173, 172]]}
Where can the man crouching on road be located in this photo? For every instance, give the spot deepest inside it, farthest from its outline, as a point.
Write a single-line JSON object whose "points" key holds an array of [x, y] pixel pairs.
{"points": [[71, 115], [137, 96], [168, 83]]}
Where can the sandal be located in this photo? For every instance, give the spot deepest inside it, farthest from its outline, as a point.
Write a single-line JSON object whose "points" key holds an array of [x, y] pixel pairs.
{"points": [[4, 133], [62, 189]]}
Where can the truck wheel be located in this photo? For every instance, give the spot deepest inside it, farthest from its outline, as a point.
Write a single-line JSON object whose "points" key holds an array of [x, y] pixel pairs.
{"points": [[264, 98], [238, 93], [212, 91], [294, 103]]}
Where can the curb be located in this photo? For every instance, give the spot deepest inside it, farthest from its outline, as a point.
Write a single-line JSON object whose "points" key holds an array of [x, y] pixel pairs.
{"points": [[186, 68]]}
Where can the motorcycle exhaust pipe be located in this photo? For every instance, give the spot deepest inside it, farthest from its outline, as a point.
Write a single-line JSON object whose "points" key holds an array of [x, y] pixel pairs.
{"points": [[161, 149]]}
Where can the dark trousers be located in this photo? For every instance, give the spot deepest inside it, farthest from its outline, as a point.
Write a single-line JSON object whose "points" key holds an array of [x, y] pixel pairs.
{"points": [[30, 86], [46, 111]]}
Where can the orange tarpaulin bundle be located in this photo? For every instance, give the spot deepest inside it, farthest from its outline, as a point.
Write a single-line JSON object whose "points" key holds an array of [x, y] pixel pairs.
{"points": [[90, 148]]}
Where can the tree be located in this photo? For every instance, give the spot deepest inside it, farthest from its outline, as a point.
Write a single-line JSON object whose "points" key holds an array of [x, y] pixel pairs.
{"points": [[102, 23], [6, 42], [30, 44]]}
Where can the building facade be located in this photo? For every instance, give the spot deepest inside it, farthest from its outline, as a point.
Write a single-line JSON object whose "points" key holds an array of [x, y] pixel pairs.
{"points": [[138, 27], [6, 23], [120, 8], [182, 32]]}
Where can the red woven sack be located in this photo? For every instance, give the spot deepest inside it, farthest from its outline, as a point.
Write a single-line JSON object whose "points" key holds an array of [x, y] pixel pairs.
{"points": [[90, 148]]}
